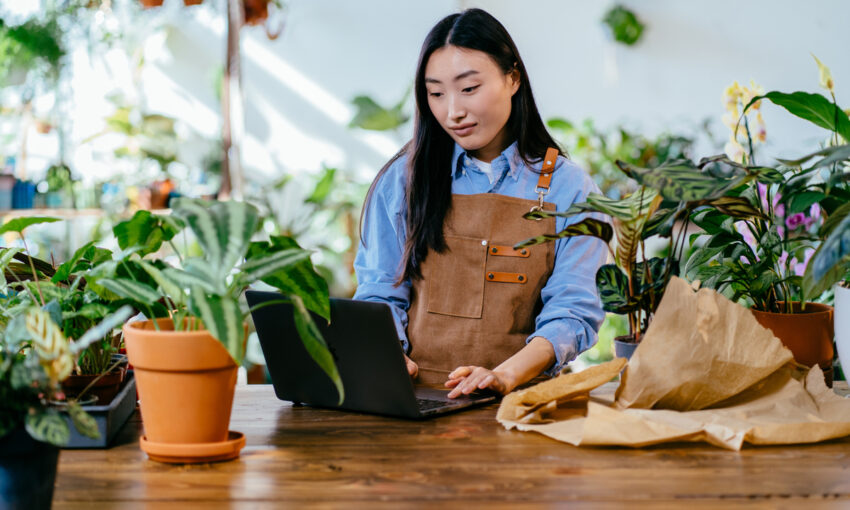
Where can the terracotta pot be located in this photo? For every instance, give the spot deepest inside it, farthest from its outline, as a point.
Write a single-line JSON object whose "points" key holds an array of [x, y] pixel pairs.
{"points": [[808, 334], [147, 4], [193, 2], [104, 389], [186, 381], [255, 11]]}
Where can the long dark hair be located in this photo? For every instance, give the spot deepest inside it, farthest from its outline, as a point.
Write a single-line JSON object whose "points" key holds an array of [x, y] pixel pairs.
{"points": [[429, 172]]}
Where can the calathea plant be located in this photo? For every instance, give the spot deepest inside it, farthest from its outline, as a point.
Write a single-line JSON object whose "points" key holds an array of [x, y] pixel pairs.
{"points": [[203, 291], [666, 196]]}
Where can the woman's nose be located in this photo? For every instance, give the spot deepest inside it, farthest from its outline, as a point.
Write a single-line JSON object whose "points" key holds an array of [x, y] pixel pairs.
{"points": [[457, 111]]}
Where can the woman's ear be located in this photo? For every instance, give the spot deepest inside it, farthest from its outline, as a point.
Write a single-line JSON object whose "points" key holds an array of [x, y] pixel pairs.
{"points": [[516, 80]]}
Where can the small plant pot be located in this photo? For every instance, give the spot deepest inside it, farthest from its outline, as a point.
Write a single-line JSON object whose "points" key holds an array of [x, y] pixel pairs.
{"points": [[186, 381], [842, 327], [624, 346], [192, 2], [104, 388], [256, 12], [147, 4], [27, 471], [807, 333]]}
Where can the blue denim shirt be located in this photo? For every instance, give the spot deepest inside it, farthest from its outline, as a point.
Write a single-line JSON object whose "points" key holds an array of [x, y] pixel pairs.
{"points": [[571, 313]]}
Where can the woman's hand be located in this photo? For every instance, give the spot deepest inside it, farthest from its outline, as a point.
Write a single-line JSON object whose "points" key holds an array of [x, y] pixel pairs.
{"points": [[467, 379], [412, 367]]}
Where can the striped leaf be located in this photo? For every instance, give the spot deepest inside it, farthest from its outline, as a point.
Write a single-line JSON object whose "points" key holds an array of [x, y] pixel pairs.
{"points": [[130, 289], [170, 286], [299, 279], [223, 319], [613, 286], [48, 427], [257, 268], [312, 339], [586, 227], [47, 336], [103, 328], [737, 207], [223, 229], [83, 422], [190, 278], [630, 232], [682, 182], [830, 155]]}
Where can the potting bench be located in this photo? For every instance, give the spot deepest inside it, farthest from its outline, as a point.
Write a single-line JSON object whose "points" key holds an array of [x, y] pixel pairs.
{"points": [[298, 456]]}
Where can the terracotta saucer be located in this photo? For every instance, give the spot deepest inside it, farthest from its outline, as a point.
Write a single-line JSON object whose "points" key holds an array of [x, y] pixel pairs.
{"points": [[194, 453]]}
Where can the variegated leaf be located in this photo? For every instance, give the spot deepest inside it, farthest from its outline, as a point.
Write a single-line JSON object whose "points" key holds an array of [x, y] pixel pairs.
{"points": [[223, 319], [315, 345], [103, 328], [83, 422], [187, 279], [48, 427], [47, 336], [170, 287], [257, 268], [586, 227], [130, 289]]}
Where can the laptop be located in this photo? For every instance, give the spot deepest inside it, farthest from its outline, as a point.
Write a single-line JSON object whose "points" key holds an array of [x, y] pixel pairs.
{"points": [[363, 341]]}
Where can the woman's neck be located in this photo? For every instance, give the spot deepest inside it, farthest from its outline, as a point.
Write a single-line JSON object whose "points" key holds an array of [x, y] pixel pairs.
{"points": [[493, 149]]}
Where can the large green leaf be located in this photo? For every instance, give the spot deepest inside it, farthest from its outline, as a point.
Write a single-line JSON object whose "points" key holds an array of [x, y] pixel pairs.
{"points": [[170, 286], [49, 427], [370, 115], [834, 219], [146, 231], [64, 270], [831, 261], [613, 286], [256, 268], [299, 279], [19, 224], [222, 318], [681, 181], [815, 108], [223, 229], [315, 345], [323, 187], [586, 227]]}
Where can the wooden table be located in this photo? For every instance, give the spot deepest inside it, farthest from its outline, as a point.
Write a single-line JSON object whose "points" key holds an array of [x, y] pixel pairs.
{"points": [[297, 457]]}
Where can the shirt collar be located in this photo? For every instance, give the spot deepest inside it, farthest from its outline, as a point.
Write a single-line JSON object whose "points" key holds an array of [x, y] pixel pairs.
{"points": [[461, 160]]}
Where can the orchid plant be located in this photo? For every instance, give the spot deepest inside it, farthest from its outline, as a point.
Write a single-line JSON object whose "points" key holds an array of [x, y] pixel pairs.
{"points": [[764, 259]]}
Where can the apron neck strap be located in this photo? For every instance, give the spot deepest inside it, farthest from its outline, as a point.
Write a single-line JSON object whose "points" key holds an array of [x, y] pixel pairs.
{"points": [[547, 169]]}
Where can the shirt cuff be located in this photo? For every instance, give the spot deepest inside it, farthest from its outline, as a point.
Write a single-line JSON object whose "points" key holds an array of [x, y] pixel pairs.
{"points": [[568, 337]]}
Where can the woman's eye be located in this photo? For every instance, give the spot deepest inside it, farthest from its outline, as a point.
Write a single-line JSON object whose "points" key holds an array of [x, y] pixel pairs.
{"points": [[470, 89], [435, 94]]}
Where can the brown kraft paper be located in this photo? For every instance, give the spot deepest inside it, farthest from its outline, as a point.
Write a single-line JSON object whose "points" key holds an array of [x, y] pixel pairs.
{"points": [[704, 371]]}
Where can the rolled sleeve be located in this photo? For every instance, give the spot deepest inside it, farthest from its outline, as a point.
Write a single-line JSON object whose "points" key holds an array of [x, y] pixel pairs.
{"points": [[572, 311], [378, 260]]}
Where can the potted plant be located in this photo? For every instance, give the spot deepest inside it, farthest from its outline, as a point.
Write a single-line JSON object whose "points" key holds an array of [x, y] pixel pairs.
{"points": [[666, 196], [187, 351], [34, 357], [762, 260]]}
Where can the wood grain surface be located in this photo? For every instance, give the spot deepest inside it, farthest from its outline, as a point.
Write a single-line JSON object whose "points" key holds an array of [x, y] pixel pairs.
{"points": [[299, 457]]}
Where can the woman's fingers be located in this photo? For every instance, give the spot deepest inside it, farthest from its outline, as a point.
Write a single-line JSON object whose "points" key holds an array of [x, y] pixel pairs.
{"points": [[464, 385], [461, 372], [412, 367]]}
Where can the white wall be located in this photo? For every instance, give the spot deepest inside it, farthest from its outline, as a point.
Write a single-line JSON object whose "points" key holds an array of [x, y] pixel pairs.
{"points": [[298, 88]]}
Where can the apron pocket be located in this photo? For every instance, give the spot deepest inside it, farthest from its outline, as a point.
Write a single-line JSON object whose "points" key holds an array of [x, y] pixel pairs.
{"points": [[455, 281]]}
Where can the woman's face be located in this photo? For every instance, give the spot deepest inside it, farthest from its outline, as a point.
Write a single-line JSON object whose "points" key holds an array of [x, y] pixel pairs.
{"points": [[470, 97]]}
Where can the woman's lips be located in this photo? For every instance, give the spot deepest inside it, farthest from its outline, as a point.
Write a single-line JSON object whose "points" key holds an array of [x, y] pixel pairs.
{"points": [[464, 130]]}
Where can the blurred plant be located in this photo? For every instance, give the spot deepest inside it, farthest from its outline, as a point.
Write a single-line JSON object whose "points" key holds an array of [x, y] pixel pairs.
{"points": [[325, 219], [597, 151], [736, 97], [624, 25], [35, 45], [372, 116]]}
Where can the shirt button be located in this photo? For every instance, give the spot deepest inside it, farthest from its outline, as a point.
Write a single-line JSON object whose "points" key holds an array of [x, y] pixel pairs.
{"points": [[484, 243]]}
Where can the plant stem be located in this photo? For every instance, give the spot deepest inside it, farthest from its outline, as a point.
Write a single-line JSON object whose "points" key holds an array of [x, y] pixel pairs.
{"points": [[32, 266]]}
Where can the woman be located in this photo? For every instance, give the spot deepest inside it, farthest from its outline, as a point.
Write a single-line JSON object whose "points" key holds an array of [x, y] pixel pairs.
{"points": [[442, 216]]}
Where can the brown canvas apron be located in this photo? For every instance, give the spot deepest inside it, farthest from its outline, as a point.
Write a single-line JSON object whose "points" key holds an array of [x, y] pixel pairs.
{"points": [[476, 303]]}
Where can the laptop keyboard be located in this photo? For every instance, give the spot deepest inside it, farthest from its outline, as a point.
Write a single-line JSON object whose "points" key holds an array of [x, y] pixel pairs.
{"points": [[426, 404]]}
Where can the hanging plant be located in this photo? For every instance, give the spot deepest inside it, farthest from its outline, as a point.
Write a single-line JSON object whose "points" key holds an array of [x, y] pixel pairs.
{"points": [[147, 4], [256, 12], [624, 25]]}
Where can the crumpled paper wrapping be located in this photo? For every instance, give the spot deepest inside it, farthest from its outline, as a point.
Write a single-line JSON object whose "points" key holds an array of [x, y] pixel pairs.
{"points": [[704, 371]]}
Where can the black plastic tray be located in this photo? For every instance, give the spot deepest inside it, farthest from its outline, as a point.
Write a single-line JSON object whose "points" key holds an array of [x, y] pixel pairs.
{"points": [[110, 418]]}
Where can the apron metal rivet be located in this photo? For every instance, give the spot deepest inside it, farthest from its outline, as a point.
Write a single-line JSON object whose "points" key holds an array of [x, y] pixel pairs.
{"points": [[490, 276], [520, 278], [495, 250], [524, 252]]}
